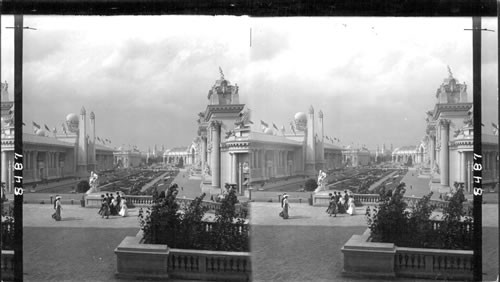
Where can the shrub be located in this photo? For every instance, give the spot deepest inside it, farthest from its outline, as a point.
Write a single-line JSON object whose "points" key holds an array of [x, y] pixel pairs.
{"points": [[452, 235], [389, 220], [83, 186], [166, 223], [310, 184]]}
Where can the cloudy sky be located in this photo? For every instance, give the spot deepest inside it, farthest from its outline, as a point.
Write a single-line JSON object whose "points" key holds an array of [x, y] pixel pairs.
{"points": [[146, 78]]}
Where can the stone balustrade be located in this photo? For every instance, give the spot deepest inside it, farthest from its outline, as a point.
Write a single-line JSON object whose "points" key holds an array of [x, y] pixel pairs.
{"points": [[373, 259], [94, 200], [7, 265], [374, 199], [139, 261], [434, 263], [208, 265]]}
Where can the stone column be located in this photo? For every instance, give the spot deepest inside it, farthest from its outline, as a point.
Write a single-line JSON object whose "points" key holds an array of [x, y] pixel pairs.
{"points": [[203, 152], [215, 156], [444, 159], [234, 168], [5, 168], [432, 150], [263, 162]]}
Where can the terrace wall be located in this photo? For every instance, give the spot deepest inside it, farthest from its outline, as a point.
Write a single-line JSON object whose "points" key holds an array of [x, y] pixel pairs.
{"points": [[139, 261]]}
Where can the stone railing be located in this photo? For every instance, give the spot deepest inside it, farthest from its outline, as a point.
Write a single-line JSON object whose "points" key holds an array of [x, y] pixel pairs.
{"points": [[235, 228], [374, 199], [371, 259], [433, 263], [94, 200], [208, 265], [7, 266], [139, 261]]}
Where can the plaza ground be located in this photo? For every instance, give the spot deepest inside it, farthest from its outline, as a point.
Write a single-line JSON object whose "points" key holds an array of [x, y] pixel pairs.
{"points": [[305, 247]]}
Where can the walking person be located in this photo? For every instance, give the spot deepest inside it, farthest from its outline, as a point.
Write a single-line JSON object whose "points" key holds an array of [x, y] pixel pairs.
{"points": [[332, 207], [286, 207], [351, 207], [123, 208], [104, 208], [118, 201], [101, 209], [58, 208]]}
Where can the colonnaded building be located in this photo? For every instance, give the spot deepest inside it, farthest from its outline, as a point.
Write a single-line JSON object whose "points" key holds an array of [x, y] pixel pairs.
{"points": [[49, 155], [227, 151], [445, 154]]}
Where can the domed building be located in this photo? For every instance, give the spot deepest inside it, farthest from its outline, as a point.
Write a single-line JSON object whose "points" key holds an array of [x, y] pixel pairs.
{"points": [[49, 155], [447, 148], [230, 151]]}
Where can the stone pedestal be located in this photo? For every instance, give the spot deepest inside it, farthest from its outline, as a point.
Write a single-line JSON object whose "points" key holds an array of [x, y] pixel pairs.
{"points": [[362, 258]]}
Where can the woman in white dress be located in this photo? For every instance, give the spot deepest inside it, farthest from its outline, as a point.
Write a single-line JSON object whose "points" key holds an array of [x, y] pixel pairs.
{"points": [[123, 208], [351, 207]]}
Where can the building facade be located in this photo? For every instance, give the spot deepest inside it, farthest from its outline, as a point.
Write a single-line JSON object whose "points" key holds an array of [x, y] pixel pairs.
{"points": [[448, 144], [50, 156], [228, 151]]}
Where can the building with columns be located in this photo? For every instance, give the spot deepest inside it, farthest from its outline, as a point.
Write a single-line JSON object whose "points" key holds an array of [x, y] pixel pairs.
{"points": [[230, 152], [408, 155], [448, 144], [355, 157], [189, 155], [51, 156], [128, 157]]}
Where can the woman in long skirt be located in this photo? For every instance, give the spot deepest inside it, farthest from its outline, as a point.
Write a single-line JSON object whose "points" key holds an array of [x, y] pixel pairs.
{"points": [[286, 206], [352, 208], [58, 207], [104, 208], [123, 208], [332, 207], [341, 205]]}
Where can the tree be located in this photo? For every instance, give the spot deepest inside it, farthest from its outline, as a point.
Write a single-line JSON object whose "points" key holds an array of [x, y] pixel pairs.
{"points": [[310, 184]]}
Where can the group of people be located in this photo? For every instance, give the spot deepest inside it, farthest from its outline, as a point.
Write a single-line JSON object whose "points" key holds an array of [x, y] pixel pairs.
{"points": [[340, 204], [111, 205]]}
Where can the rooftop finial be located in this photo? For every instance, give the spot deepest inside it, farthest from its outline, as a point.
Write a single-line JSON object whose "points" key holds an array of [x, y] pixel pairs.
{"points": [[221, 73], [449, 72]]}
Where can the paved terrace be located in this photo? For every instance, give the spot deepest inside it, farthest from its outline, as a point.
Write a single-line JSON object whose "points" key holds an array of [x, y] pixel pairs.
{"points": [[305, 247]]}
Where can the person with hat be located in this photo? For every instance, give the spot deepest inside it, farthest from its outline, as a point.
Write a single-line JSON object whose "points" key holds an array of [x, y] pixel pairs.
{"points": [[286, 206], [58, 208]]}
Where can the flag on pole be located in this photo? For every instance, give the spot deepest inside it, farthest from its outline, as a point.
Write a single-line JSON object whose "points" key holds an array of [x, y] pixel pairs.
{"points": [[495, 128], [24, 123], [274, 125], [46, 127], [36, 125], [264, 123]]}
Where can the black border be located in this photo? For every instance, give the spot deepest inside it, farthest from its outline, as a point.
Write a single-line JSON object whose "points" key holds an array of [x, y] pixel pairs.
{"points": [[260, 8], [18, 147]]}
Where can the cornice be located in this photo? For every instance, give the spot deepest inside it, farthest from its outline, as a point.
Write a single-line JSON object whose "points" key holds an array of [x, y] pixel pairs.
{"points": [[227, 108]]}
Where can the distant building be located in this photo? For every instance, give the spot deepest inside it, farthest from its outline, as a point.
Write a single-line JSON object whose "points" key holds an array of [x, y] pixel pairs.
{"points": [[49, 155], [128, 157], [229, 152], [355, 157], [408, 155]]}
